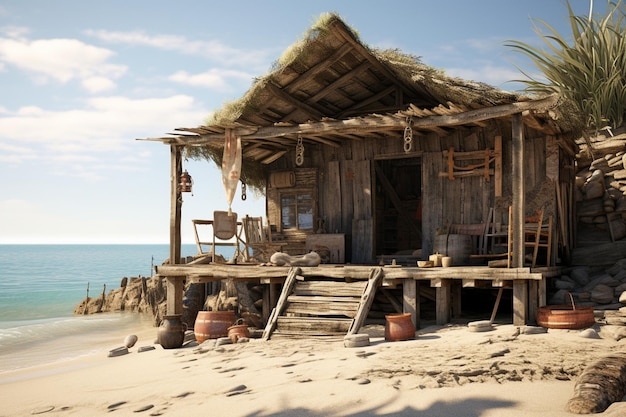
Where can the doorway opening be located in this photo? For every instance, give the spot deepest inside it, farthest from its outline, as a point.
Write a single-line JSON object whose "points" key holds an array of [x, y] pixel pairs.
{"points": [[398, 202]]}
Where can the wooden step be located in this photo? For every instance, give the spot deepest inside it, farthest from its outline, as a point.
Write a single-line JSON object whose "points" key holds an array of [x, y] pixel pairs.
{"points": [[321, 307]]}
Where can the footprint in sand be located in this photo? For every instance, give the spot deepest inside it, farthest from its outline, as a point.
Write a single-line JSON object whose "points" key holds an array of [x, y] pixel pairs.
{"points": [[143, 408]]}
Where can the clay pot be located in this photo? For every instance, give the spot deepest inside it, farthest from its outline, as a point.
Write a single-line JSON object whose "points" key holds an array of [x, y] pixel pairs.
{"points": [[238, 331], [399, 327], [171, 332], [213, 324]]}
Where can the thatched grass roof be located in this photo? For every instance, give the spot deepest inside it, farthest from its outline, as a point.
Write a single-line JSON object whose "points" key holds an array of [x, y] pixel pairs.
{"points": [[328, 76]]}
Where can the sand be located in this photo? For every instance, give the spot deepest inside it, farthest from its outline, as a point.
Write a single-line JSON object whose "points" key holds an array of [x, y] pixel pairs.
{"points": [[445, 371]]}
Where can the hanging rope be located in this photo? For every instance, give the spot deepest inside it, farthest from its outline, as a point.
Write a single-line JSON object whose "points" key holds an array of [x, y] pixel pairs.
{"points": [[408, 134], [244, 196], [299, 151]]}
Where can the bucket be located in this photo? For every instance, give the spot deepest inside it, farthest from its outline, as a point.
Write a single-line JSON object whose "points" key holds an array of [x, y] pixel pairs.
{"points": [[458, 247], [213, 324]]}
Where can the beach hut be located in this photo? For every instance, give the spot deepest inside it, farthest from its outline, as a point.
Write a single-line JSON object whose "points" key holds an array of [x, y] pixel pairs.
{"points": [[372, 155]]}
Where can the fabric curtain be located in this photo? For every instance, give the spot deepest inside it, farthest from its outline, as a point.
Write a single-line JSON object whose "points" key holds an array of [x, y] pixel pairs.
{"points": [[231, 165]]}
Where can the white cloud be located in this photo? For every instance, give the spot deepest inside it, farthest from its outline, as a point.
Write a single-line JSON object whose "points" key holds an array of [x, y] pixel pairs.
{"points": [[62, 60], [214, 78], [492, 75], [106, 127], [98, 84], [211, 49]]}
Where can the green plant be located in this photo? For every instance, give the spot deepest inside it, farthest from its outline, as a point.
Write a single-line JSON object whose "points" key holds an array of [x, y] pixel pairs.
{"points": [[591, 72]]}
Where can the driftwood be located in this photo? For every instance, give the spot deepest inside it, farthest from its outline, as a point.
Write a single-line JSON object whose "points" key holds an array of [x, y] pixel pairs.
{"points": [[601, 384]]}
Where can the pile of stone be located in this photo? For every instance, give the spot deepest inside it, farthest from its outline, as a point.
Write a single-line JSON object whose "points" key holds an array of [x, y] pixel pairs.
{"points": [[602, 288], [600, 194]]}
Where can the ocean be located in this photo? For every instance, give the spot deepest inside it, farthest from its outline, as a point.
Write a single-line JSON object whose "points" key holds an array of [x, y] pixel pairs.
{"points": [[40, 285]]}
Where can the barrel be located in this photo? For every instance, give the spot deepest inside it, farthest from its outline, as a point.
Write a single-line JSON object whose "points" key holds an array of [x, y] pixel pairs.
{"points": [[458, 247], [213, 324]]}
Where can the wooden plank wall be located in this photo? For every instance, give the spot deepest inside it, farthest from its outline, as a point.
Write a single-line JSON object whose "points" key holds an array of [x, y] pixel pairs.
{"points": [[346, 182]]}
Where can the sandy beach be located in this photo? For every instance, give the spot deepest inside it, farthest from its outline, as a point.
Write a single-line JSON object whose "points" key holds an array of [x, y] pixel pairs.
{"points": [[444, 371]]}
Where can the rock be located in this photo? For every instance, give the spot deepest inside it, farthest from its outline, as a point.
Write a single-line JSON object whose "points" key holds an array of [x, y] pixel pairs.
{"points": [[622, 297], [562, 284], [480, 326], [603, 279], [533, 330], [589, 334], [616, 333], [602, 294], [356, 340], [130, 340], [580, 275], [118, 352], [594, 189], [616, 320], [559, 297]]}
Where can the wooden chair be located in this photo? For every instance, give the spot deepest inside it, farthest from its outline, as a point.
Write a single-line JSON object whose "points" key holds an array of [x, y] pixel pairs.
{"points": [[226, 231], [538, 235], [258, 239]]}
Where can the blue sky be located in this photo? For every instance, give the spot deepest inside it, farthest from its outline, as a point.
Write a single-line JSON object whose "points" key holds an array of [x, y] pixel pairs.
{"points": [[81, 80]]}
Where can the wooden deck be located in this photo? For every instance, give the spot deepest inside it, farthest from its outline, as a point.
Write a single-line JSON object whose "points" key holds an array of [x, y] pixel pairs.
{"points": [[529, 286]]}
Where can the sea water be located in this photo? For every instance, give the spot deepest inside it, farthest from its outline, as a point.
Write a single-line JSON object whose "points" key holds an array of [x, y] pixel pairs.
{"points": [[40, 285]]}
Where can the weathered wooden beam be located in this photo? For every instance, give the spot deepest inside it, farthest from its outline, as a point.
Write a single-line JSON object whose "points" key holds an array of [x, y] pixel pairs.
{"points": [[370, 123], [520, 302], [444, 298], [176, 203], [518, 191], [411, 300]]}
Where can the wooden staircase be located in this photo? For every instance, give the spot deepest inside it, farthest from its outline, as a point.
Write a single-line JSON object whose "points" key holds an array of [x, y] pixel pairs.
{"points": [[321, 308]]}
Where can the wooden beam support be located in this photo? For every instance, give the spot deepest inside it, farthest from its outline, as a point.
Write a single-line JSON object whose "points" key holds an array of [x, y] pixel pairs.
{"points": [[443, 302], [174, 287], [520, 302], [176, 203], [517, 220], [373, 122], [411, 300]]}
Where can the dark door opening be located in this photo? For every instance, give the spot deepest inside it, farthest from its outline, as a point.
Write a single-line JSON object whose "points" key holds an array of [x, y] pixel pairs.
{"points": [[398, 195]]}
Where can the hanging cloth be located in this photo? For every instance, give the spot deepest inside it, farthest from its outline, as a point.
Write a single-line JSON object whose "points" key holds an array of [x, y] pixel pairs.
{"points": [[231, 165]]}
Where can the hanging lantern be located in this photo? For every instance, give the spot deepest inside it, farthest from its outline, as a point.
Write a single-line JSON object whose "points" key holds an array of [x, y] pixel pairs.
{"points": [[185, 182]]}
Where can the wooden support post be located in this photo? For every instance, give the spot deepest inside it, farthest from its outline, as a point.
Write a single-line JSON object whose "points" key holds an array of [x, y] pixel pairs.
{"points": [[411, 300], [517, 220], [533, 301], [176, 203], [456, 299], [443, 299], [174, 302], [520, 302]]}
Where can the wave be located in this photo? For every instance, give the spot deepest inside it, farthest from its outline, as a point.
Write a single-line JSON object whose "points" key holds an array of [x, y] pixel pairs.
{"points": [[36, 342]]}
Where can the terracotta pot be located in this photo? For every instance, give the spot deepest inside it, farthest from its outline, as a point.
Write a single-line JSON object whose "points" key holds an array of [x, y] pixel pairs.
{"points": [[171, 333], [213, 324], [238, 331], [565, 316], [399, 327]]}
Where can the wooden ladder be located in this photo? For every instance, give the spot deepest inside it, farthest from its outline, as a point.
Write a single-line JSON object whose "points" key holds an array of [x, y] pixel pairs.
{"points": [[321, 308]]}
